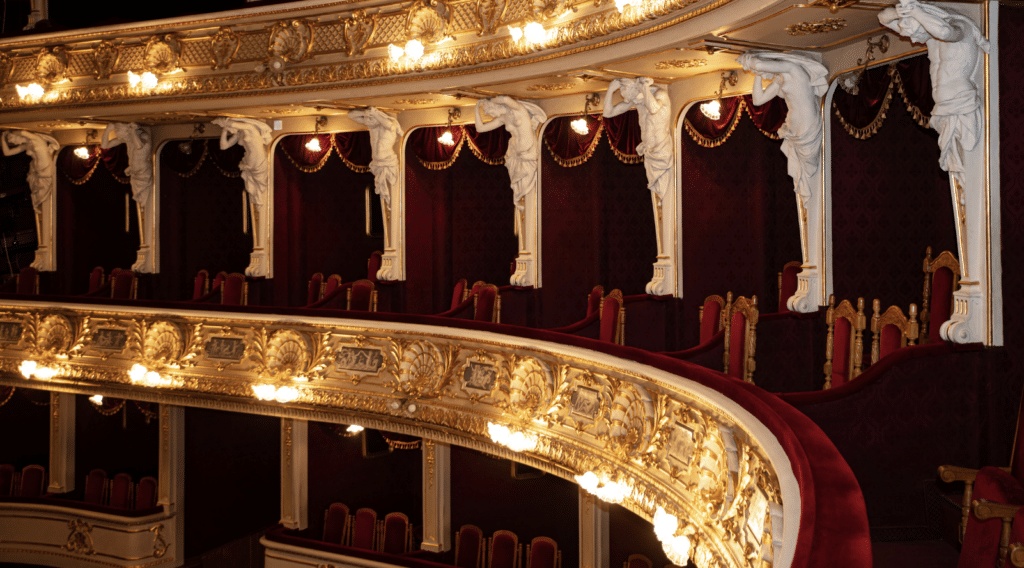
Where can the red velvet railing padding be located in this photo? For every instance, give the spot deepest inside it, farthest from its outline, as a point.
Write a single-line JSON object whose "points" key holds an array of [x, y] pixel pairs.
{"points": [[941, 302], [503, 551], [840, 352], [362, 531], [737, 345], [470, 538], [890, 340], [394, 533], [981, 541], [710, 320]]}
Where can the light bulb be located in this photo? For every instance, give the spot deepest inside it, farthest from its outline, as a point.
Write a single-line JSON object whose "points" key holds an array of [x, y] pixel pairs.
{"points": [[31, 92], [96, 399], [446, 138], [354, 429], [414, 49], [712, 109], [580, 126], [534, 33], [517, 33], [82, 153], [28, 368], [395, 52], [313, 145]]}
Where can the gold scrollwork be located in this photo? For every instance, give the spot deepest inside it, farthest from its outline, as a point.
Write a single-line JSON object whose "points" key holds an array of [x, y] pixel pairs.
{"points": [[824, 26], [489, 13], [551, 86], [223, 47], [6, 66], [358, 30], [680, 64], [545, 10], [104, 58], [52, 65], [421, 369], [80, 538], [160, 545], [290, 42]]}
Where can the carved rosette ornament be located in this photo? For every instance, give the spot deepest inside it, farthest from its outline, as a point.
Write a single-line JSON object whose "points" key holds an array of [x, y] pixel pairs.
{"points": [[223, 47], [52, 65], [428, 21], [104, 58], [489, 13], [289, 43], [162, 55], [359, 29]]}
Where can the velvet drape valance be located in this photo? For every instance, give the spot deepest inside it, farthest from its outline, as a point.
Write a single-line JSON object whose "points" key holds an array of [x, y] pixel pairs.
{"points": [[489, 147], [187, 163], [570, 148], [713, 133], [79, 171], [352, 147], [861, 115]]}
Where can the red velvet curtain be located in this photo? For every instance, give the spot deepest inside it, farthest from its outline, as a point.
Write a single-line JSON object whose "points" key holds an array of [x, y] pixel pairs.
{"points": [[459, 216], [320, 213], [27, 425], [906, 83], [570, 148], [888, 204], [116, 443], [200, 216], [93, 204], [710, 132], [598, 221]]}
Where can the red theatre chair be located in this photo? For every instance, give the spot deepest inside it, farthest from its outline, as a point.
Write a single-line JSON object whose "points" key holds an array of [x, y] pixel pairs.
{"points": [[373, 266], [315, 289], [459, 293], [97, 278], [710, 315], [333, 284], [504, 550], [123, 285], [469, 550], [487, 303], [27, 281], [613, 318], [235, 290], [362, 297], [740, 337], [637, 561], [594, 299], [844, 345], [121, 491], [7, 481], [201, 286], [95, 487], [542, 552], [364, 531], [336, 524], [33, 481], [941, 279], [892, 330], [145, 495], [788, 282], [397, 534]]}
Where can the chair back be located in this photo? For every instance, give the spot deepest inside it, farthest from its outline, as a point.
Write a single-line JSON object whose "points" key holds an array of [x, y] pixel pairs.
{"points": [[201, 286], [33, 481], [124, 286], [504, 550], [710, 315], [891, 330], [637, 561], [487, 304], [7, 480], [543, 553], [469, 547], [397, 534], [332, 284], [594, 300], [373, 266], [145, 494], [315, 289], [362, 297], [365, 529], [740, 337], [613, 318], [941, 279], [476, 287], [97, 278], [121, 491], [27, 281], [788, 282], [218, 280], [458, 293], [95, 487], [235, 290], [844, 344], [336, 524]]}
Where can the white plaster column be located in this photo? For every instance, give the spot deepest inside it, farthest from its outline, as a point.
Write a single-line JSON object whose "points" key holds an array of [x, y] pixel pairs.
{"points": [[437, 505], [666, 223], [62, 443], [294, 473], [527, 263], [594, 532], [171, 482], [46, 254]]}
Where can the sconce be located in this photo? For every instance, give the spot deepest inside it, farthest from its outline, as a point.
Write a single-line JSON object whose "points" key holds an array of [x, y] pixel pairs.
{"points": [[850, 82], [314, 143], [713, 109], [446, 137], [82, 152], [186, 146], [580, 124]]}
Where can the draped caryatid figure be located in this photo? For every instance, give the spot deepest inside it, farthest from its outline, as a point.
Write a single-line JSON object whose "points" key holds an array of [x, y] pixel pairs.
{"points": [[654, 109], [521, 119], [801, 82], [956, 55], [139, 141], [42, 179], [255, 136], [385, 133]]}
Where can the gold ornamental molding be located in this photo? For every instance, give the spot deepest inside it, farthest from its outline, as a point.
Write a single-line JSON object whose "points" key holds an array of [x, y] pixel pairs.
{"points": [[820, 27], [671, 446], [680, 64], [552, 86]]}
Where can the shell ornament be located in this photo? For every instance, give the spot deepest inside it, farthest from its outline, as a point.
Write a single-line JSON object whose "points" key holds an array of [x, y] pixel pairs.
{"points": [[54, 335], [531, 388], [162, 343], [420, 369], [162, 54], [287, 353]]}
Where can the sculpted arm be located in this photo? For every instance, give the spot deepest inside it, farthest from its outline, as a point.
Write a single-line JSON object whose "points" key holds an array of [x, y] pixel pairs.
{"points": [[228, 137], [106, 142], [359, 116], [760, 94], [9, 150], [936, 26], [486, 126]]}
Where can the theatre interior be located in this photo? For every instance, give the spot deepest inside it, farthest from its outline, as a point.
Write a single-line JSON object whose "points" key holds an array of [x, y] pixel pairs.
{"points": [[511, 284]]}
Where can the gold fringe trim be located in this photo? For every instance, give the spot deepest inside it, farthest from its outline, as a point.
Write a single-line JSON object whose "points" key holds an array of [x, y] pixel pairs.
{"points": [[9, 395], [112, 411], [626, 158], [872, 128], [147, 413], [199, 164], [480, 155], [448, 164], [354, 167], [88, 175], [396, 445], [770, 135], [921, 118], [706, 142], [226, 173], [315, 167], [581, 159]]}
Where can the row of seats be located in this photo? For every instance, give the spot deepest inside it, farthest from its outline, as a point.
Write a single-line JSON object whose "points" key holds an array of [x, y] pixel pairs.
{"points": [[392, 535], [120, 492], [29, 482], [641, 561], [503, 550]]}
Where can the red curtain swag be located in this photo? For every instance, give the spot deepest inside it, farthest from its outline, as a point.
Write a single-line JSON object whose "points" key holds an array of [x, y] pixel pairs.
{"points": [[201, 151], [713, 133], [489, 147], [352, 147], [570, 148], [79, 171], [861, 115]]}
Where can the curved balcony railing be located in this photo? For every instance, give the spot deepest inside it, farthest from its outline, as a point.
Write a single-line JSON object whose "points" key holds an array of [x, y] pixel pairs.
{"points": [[730, 475]]}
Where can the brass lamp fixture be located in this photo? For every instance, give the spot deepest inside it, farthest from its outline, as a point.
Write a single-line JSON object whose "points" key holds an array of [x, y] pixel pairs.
{"points": [[314, 143], [82, 152], [580, 124], [185, 147], [850, 82], [446, 137], [713, 109]]}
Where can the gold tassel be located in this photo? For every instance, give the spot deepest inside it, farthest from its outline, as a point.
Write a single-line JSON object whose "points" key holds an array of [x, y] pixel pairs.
{"points": [[127, 215], [245, 212]]}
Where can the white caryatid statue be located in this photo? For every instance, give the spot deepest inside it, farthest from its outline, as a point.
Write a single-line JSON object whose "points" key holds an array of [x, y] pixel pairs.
{"points": [[801, 82], [654, 107], [522, 160], [140, 173], [255, 136], [42, 179], [956, 49], [385, 132]]}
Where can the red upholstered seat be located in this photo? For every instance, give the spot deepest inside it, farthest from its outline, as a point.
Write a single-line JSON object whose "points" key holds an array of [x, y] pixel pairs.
{"points": [[613, 318], [336, 524], [33, 481], [468, 547], [121, 491], [235, 290], [362, 297], [637, 561], [364, 530], [333, 283], [96, 279], [487, 306], [315, 289], [6, 480], [788, 281], [373, 266], [201, 286], [458, 293], [844, 344], [27, 281], [711, 317], [594, 299], [740, 329], [123, 286], [543, 553], [504, 550], [145, 494], [397, 534], [892, 330], [95, 487], [941, 279]]}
